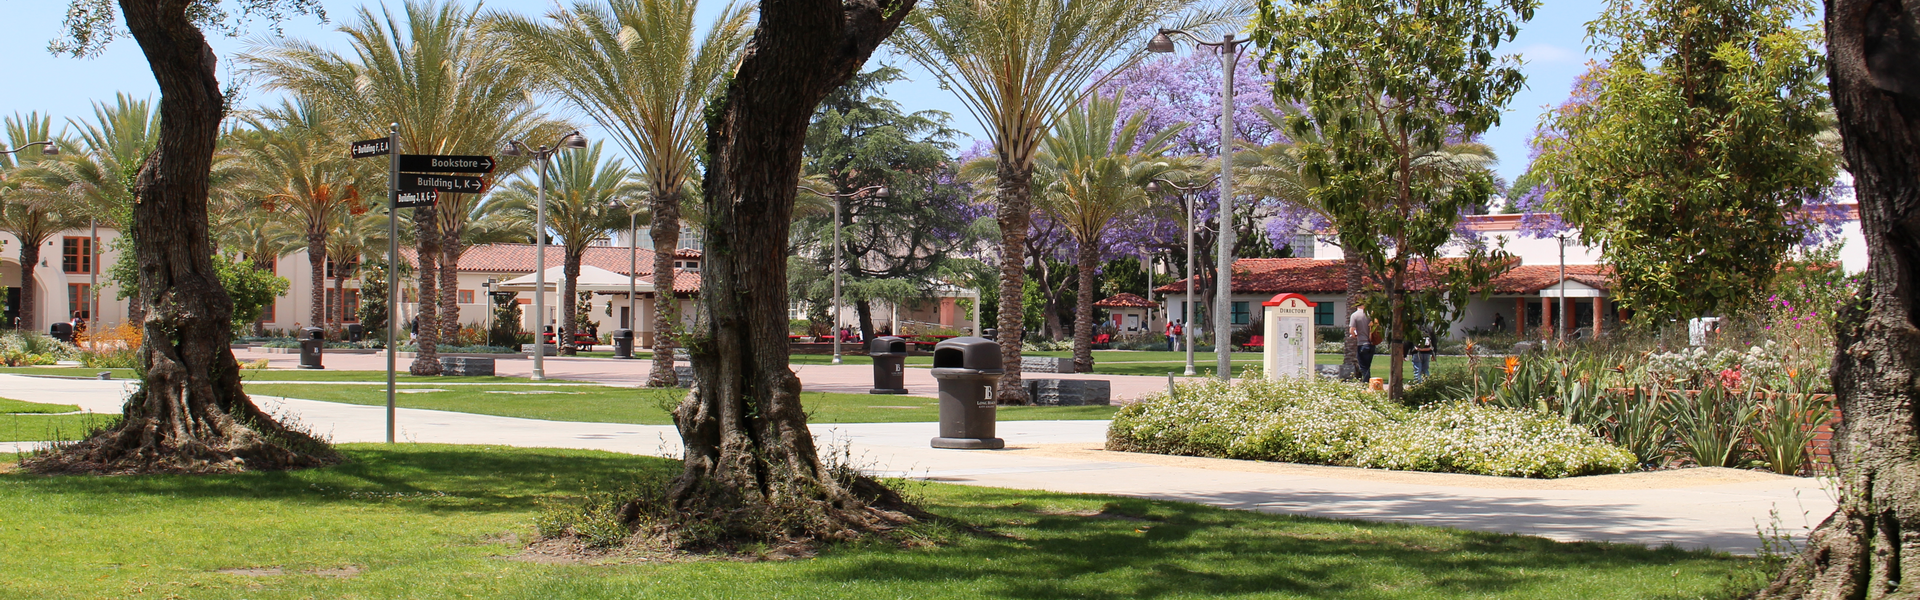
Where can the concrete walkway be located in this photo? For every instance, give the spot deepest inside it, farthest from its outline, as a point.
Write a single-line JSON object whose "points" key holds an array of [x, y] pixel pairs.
{"points": [[1713, 508]]}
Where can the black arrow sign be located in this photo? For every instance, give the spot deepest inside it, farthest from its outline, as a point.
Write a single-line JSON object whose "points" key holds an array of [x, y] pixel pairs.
{"points": [[366, 148], [410, 182], [434, 163], [416, 199]]}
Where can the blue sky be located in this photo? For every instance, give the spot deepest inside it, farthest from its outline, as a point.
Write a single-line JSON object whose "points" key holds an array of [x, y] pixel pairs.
{"points": [[1553, 45]]}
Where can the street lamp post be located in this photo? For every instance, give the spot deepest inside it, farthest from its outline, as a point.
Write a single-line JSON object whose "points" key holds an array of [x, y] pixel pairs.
{"points": [[879, 191], [543, 156], [1186, 194], [1229, 49], [633, 265]]}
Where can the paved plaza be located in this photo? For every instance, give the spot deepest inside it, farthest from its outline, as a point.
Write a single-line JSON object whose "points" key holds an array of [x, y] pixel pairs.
{"points": [[1713, 508]]}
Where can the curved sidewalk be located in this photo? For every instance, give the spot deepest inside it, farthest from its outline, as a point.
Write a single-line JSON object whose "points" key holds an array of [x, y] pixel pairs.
{"points": [[1713, 508]]}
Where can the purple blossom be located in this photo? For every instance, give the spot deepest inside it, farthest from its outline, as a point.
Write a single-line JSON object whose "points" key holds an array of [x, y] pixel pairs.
{"points": [[1186, 89]]}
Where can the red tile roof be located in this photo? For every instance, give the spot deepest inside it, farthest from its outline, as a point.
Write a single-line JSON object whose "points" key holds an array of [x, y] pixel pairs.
{"points": [[1314, 276], [686, 253], [519, 258], [1125, 300]]}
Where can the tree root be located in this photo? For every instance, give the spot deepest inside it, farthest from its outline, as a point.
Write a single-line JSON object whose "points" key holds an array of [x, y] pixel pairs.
{"points": [[142, 446]]}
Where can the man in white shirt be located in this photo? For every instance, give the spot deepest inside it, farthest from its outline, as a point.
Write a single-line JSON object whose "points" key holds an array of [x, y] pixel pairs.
{"points": [[1360, 327]]}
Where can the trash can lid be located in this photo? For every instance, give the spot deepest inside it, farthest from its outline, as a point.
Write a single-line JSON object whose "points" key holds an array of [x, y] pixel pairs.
{"points": [[887, 345], [967, 353]]}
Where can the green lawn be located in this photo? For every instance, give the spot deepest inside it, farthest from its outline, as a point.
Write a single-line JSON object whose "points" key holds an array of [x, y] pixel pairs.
{"points": [[646, 407], [18, 406], [48, 428], [426, 521]]}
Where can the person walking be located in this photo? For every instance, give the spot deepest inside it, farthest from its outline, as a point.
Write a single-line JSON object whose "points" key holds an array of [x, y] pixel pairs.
{"points": [[1360, 327], [1173, 333], [1423, 353]]}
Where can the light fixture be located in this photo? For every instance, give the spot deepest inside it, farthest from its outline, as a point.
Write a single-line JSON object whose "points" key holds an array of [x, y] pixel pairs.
{"points": [[510, 149], [1161, 43], [573, 140], [1153, 187], [883, 192]]}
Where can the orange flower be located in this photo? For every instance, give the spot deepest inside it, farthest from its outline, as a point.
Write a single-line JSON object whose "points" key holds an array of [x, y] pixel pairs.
{"points": [[1513, 362]]}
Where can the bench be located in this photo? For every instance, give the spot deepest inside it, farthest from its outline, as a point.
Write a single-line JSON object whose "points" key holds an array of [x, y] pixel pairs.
{"points": [[466, 365], [1046, 364], [1069, 392]]}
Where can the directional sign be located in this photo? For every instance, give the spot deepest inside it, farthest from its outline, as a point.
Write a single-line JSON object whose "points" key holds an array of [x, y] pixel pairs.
{"points": [[416, 199], [410, 182], [433, 163], [366, 148]]}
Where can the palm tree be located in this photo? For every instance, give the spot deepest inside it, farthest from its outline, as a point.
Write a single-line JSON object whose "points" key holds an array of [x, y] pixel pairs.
{"points": [[298, 169], [1101, 167], [98, 170], [447, 86], [585, 200], [1017, 64], [30, 208], [634, 67]]}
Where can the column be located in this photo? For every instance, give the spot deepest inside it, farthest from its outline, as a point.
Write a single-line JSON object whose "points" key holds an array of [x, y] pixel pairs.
{"points": [[1599, 314], [1546, 316]]}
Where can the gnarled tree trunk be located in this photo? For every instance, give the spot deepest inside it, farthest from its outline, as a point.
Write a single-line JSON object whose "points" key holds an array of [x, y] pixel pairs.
{"points": [[190, 414], [665, 230], [750, 459], [426, 333], [1870, 547], [1014, 211]]}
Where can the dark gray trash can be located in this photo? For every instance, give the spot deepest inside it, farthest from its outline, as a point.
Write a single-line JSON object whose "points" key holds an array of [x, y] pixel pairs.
{"points": [[356, 332], [623, 343], [889, 365], [61, 331], [967, 368], [312, 341]]}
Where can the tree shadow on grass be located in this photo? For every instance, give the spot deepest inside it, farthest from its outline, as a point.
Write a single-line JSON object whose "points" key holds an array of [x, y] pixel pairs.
{"points": [[1146, 549], [425, 477]]}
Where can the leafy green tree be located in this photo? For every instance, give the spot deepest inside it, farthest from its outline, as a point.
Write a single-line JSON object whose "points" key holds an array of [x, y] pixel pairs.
{"points": [[1102, 165], [895, 248], [585, 199], [1384, 84], [635, 68], [1689, 152], [251, 287], [1016, 64]]}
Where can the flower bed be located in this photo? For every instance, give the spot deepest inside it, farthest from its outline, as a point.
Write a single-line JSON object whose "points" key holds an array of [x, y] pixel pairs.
{"points": [[1324, 422]]}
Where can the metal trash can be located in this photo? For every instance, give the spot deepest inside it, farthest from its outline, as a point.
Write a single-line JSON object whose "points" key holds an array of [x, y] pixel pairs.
{"points": [[61, 331], [356, 332], [889, 365], [312, 341], [623, 343], [967, 368]]}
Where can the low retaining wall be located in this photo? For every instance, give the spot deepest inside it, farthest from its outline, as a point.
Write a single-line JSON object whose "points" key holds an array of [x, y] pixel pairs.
{"points": [[1069, 392], [1045, 364]]}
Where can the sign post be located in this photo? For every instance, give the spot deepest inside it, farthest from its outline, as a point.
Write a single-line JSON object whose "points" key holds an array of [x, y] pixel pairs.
{"points": [[385, 147], [1289, 337]]}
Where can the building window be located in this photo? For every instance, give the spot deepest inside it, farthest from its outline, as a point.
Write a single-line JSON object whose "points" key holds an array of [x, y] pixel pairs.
{"points": [[1240, 313], [351, 307], [76, 254], [352, 265], [77, 299], [1323, 314], [466, 296]]}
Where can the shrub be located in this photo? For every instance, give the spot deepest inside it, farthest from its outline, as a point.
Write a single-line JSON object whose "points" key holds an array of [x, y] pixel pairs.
{"points": [[1324, 422]]}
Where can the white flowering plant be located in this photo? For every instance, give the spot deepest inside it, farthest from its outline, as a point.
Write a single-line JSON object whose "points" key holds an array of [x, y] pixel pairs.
{"points": [[1326, 422]]}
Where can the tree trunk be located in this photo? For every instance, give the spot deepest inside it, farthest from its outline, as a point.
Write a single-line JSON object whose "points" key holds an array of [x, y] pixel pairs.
{"points": [[29, 285], [190, 413], [750, 464], [1396, 343], [1083, 309], [863, 309], [1356, 294], [569, 301], [449, 313], [1870, 546], [426, 333], [1015, 214], [317, 263], [665, 230]]}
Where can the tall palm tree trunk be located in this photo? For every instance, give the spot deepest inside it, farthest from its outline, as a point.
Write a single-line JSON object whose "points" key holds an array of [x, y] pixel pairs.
{"points": [[190, 413], [665, 230], [29, 285], [569, 304], [426, 358], [317, 267], [1015, 214], [1089, 259], [450, 251]]}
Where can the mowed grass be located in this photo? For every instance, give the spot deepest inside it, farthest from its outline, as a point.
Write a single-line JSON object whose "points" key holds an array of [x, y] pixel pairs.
{"points": [[599, 404], [429, 521], [51, 428], [277, 375]]}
